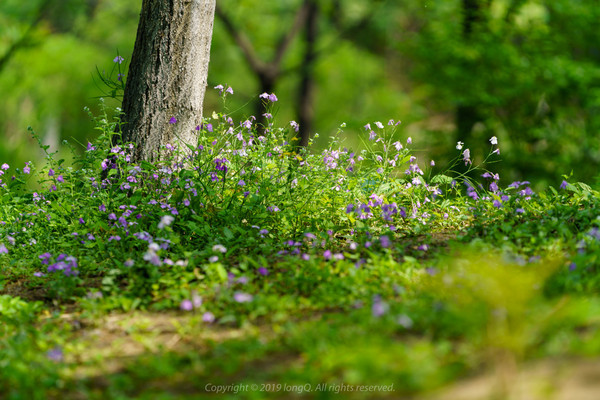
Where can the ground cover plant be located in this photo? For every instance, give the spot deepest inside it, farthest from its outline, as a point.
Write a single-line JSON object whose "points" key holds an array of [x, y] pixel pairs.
{"points": [[247, 266]]}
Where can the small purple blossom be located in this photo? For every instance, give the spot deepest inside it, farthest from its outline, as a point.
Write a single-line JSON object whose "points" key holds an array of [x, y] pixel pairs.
{"points": [[186, 305], [271, 97], [208, 317], [118, 59], [56, 354], [242, 297], [385, 241], [173, 120], [379, 307]]}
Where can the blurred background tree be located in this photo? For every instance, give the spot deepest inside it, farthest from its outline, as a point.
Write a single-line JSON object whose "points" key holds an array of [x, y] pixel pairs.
{"points": [[526, 71]]}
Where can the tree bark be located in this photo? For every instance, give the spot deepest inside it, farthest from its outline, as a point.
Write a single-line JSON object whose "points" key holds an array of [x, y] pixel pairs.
{"points": [[167, 75]]}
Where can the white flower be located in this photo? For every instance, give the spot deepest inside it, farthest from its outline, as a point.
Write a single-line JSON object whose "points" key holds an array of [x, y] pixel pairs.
{"points": [[166, 220], [494, 140], [153, 247], [459, 145], [379, 125], [219, 248]]}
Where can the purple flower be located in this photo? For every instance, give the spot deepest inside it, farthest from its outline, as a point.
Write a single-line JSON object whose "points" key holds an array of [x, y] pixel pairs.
{"points": [[241, 183], [385, 241], [263, 271], [349, 208], [56, 354], [186, 305], [26, 169], [118, 59], [327, 255], [379, 307], [115, 237], [50, 172], [102, 207], [5, 166], [497, 204], [564, 184], [173, 120], [467, 156], [208, 317], [242, 297], [229, 90], [81, 221], [3, 249], [60, 179], [271, 97], [90, 147]]}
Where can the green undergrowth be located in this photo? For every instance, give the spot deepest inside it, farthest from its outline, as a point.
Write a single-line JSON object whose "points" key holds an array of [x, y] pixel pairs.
{"points": [[247, 260]]}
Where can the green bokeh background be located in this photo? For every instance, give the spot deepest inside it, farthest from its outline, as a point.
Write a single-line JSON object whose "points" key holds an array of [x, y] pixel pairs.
{"points": [[529, 70]]}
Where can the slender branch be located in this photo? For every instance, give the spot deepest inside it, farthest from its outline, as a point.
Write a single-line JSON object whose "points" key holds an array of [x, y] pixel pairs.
{"points": [[23, 41], [343, 33], [287, 39], [242, 41]]}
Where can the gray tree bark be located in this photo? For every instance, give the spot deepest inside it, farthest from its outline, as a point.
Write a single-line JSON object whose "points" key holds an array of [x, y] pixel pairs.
{"points": [[167, 75]]}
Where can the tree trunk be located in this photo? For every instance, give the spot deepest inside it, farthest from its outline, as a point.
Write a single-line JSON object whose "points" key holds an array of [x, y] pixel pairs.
{"points": [[167, 75], [467, 115], [307, 86]]}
